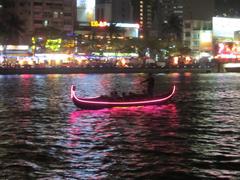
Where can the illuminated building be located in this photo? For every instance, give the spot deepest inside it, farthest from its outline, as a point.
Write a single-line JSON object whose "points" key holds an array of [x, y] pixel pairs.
{"points": [[226, 29], [105, 13], [114, 11], [197, 35], [143, 13], [85, 11], [100, 29], [85, 15], [149, 14], [152, 14], [38, 14], [197, 25], [226, 39]]}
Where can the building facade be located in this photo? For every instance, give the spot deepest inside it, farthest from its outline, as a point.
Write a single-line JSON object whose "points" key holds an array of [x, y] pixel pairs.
{"points": [[198, 35], [197, 25], [39, 14], [117, 11], [85, 11], [152, 15], [143, 13], [167, 9]]}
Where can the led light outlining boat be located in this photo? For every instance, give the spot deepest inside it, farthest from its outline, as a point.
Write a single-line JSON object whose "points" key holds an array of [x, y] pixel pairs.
{"points": [[97, 103]]}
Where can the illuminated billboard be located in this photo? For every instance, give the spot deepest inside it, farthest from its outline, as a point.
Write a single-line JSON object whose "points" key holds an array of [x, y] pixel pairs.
{"points": [[228, 51], [85, 10], [206, 40], [225, 28]]}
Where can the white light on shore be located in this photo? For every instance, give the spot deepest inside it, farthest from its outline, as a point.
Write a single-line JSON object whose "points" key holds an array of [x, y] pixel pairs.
{"points": [[231, 65], [15, 47]]}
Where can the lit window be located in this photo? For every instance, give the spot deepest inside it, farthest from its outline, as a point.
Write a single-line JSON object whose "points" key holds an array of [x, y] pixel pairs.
{"points": [[195, 36], [195, 43], [55, 14], [45, 23]]}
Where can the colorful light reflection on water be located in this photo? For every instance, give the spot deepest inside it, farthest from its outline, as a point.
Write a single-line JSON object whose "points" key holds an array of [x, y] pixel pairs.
{"points": [[44, 136]]}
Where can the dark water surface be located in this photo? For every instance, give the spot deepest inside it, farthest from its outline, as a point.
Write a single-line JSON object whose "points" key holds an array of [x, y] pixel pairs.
{"points": [[44, 136]]}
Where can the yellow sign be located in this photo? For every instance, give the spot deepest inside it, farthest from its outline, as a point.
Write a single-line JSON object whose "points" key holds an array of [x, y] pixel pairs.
{"points": [[98, 23]]}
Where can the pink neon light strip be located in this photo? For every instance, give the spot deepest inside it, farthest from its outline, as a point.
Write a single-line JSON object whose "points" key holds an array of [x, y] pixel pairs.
{"points": [[73, 95]]}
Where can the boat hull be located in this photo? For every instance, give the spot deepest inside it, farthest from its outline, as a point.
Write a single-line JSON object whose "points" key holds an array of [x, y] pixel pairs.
{"points": [[96, 103]]}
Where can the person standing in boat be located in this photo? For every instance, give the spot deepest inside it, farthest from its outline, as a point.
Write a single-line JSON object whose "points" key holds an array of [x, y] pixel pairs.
{"points": [[150, 84]]}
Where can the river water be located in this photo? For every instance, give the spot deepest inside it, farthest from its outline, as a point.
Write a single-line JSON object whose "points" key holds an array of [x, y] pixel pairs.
{"points": [[44, 136]]}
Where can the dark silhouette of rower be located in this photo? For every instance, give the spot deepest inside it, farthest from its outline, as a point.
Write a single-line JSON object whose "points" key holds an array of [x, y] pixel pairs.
{"points": [[150, 86]]}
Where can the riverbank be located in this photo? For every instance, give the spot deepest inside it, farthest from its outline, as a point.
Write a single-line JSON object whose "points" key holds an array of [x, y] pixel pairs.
{"points": [[77, 70]]}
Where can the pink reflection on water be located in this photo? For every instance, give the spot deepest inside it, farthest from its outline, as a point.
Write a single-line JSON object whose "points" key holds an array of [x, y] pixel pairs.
{"points": [[152, 111], [74, 116], [137, 129], [26, 76], [84, 123], [159, 120], [26, 85], [141, 117], [124, 111]]}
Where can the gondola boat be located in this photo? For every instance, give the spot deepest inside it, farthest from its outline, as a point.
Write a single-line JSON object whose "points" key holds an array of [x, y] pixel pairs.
{"points": [[98, 103]]}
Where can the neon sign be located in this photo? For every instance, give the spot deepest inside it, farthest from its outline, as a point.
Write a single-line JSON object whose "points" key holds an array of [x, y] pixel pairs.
{"points": [[98, 23], [53, 44], [228, 51], [228, 48]]}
